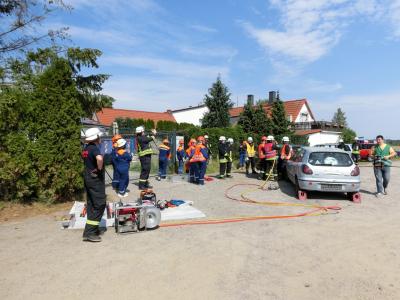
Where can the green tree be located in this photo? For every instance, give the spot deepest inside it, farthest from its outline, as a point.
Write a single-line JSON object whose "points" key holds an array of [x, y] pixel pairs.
{"points": [[40, 131], [280, 124], [262, 123], [348, 135], [218, 102], [340, 118], [246, 118]]}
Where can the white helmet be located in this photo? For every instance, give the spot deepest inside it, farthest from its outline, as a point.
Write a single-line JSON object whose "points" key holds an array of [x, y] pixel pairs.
{"points": [[250, 139], [92, 134], [139, 129], [206, 136], [222, 138], [285, 139], [230, 140], [121, 143], [341, 141], [270, 138]]}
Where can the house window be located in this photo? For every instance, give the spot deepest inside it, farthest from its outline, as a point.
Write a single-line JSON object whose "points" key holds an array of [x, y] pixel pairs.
{"points": [[303, 117], [290, 118]]}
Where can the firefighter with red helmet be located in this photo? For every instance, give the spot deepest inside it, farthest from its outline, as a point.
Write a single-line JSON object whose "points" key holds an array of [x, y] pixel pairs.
{"points": [[189, 154], [261, 157]]}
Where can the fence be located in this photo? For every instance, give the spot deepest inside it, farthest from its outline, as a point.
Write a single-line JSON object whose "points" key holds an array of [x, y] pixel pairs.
{"points": [[130, 137]]}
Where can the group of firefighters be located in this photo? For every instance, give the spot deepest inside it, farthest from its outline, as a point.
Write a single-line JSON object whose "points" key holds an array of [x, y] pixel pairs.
{"points": [[194, 159]]}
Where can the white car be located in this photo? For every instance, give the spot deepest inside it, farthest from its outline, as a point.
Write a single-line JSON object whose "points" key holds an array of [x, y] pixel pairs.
{"points": [[324, 169]]}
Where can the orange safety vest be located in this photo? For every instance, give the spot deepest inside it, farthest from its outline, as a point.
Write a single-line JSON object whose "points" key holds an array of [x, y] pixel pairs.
{"points": [[283, 152], [198, 156], [261, 150], [269, 153]]}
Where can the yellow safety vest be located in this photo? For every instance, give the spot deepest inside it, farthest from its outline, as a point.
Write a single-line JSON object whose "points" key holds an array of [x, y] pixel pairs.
{"points": [[251, 152]]}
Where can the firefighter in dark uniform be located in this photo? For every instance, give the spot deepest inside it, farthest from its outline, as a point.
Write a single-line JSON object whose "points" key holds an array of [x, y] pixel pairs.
{"points": [[144, 153], [94, 185]]}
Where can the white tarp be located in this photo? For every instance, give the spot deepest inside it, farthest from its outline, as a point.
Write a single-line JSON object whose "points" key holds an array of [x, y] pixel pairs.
{"points": [[181, 212]]}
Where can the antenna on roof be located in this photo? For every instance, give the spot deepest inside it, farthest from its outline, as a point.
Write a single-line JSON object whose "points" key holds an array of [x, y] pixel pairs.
{"points": [[277, 95]]}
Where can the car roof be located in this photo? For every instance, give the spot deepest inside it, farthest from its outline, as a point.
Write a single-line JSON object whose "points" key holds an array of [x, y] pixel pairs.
{"points": [[323, 149]]}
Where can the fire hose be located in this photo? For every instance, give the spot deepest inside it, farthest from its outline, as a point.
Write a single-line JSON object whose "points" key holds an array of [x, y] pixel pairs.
{"points": [[315, 210]]}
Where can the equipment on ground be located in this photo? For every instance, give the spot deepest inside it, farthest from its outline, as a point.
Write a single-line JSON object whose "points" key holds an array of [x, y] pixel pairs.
{"points": [[140, 215]]}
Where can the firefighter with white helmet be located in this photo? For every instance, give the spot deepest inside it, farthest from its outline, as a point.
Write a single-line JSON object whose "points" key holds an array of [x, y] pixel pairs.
{"points": [[144, 152], [250, 156], [229, 157], [94, 184], [222, 153], [285, 155], [270, 156]]}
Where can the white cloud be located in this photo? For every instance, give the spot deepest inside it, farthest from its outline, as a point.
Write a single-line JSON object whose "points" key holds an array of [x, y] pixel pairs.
{"points": [[155, 94], [104, 37], [368, 114], [167, 67], [394, 17], [310, 28], [203, 28], [223, 51]]}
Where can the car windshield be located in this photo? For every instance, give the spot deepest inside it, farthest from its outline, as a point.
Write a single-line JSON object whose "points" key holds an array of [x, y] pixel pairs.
{"points": [[336, 159]]}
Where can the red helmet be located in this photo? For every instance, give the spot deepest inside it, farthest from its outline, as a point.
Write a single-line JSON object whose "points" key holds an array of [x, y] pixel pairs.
{"points": [[264, 138], [116, 138]]}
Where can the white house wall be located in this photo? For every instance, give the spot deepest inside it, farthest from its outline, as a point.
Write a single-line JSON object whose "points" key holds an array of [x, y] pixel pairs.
{"points": [[308, 118], [324, 137], [192, 116]]}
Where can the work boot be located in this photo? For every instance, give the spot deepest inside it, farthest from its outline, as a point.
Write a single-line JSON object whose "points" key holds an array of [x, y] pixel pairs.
{"points": [[102, 230], [92, 238]]}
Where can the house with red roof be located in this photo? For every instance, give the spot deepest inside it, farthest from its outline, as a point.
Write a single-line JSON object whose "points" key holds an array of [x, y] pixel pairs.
{"points": [[107, 116]]}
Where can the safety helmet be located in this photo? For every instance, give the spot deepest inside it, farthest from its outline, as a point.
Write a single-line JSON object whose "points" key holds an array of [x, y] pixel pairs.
{"points": [[230, 140], [116, 138], [250, 139], [165, 141], [121, 143], [341, 141], [222, 138], [200, 138], [206, 136], [181, 142], [285, 139], [356, 138], [270, 138], [92, 134], [264, 138], [139, 129]]}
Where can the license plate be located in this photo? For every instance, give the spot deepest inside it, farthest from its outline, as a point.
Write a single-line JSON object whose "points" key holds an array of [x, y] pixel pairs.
{"points": [[331, 187]]}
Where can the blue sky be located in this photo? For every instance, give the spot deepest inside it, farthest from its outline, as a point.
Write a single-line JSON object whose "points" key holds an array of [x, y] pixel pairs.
{"points": [[166, 54]]}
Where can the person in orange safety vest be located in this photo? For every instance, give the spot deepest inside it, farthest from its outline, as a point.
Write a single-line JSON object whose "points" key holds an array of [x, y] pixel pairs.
{"points": [[199, 160]]}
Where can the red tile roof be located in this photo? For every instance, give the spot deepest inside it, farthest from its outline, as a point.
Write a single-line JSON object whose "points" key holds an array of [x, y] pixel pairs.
{"points": [[108, 115], [292, 107], [305, 132]]}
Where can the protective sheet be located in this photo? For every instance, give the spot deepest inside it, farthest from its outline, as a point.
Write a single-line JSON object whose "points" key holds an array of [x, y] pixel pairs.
{"points": [[182, 212]]}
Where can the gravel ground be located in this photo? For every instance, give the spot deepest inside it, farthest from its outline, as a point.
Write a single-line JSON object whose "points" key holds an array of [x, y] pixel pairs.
{"points": [[352, 254]]}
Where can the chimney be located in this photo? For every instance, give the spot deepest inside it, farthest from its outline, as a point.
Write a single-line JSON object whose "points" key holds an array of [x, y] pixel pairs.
{"points": [[169, 111], [250, 100], [272, 97]]}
